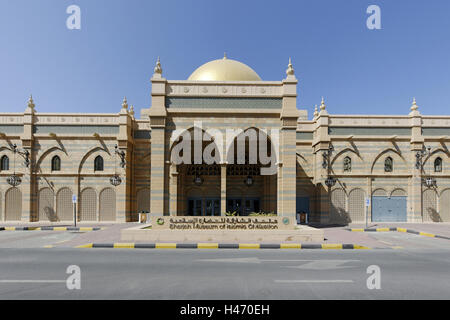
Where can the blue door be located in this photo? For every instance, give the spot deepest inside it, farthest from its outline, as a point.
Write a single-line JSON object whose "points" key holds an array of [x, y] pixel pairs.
{"points": [[302, 205], [386, 209]]}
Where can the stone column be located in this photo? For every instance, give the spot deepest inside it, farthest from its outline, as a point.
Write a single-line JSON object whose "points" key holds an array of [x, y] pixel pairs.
{"points": [[157, 115], [173, 190], [125, 144], [321, 143], [28, 186], [415, 213], [287, 177], [223, 188]]}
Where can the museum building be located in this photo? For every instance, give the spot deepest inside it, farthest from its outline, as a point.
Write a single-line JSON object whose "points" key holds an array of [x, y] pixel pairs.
{"points": [[337, 168]]}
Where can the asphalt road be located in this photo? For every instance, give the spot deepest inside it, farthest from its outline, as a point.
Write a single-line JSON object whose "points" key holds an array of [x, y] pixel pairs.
{"points": [[224, 274]]}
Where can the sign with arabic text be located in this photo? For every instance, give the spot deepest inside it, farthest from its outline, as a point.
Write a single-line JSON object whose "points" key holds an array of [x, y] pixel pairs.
{"points": [[246, 223]]}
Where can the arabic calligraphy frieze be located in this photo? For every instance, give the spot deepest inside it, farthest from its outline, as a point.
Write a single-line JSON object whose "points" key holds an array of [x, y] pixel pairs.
{"points": [[221, 223]]}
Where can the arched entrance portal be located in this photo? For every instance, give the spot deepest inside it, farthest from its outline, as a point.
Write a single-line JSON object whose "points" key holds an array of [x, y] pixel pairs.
{"points": [[238, 184]]}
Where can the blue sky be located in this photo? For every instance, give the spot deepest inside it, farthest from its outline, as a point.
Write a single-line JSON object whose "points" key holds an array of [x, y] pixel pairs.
{"points": [[357, 70]]}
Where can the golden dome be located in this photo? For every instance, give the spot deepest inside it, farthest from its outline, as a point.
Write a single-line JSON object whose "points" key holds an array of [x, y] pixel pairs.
{"points": [[224, 70]]}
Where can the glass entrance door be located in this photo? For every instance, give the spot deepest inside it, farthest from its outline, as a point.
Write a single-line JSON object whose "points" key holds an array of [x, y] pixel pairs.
{"points": [[251, 205], [234, 205], [195, 207], [203, 207], [212, 207], [243, 207]]}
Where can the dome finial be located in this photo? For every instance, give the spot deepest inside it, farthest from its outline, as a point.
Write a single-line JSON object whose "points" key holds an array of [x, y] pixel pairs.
{"points": [[132, 111], [31, 102], [124, 103], [316, 113], [158, 68], [322, 105], [414, 106], [290, 69], [224, 55]]}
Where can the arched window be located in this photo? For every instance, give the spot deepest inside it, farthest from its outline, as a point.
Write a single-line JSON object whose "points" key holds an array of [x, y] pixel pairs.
{"points": [[4, 163], [438, 165], [347, 164], [98, 163], [388, 164], [56, 163]]}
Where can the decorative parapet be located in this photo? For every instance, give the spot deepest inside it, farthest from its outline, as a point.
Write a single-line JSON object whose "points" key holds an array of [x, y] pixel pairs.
{"points": [[11, 118], [267, 89], [76, 119], [369, 121]]}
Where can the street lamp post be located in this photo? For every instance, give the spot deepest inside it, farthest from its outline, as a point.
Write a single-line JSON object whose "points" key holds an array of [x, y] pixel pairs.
{"points": [[14, 180], [428, 181], [115, 180]]}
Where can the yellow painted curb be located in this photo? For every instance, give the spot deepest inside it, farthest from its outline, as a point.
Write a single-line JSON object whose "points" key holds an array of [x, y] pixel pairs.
{"points": [[401, 230], [290, 246], [249, 246], [165, 245], [427, 234], [331, 246], [208, 246], [356, 246], [358, 230], [60, 229], [89, 245], [10, 228], [85, 229], [382, 229], [124, 245]]}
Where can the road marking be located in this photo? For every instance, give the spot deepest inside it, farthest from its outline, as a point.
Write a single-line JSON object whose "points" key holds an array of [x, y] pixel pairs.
{"points": [[313, 281], [308, 265], [324, 265], [32, 281]]}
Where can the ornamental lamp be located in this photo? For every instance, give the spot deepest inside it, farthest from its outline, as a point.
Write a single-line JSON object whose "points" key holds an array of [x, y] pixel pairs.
{"points": [[14, 180], [429, 182], [198, 180], [330, 182], [249, 181], [115, 180]]}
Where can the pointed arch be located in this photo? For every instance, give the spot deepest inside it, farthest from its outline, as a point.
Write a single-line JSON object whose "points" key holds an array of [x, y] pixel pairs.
{"points": [[356, 206], [13, 204], [107, 204], [89, 153], [46, 205], [345, 151], [56, 163], [88, 205], [64, 206], [4, 163], [382, 153], [438, 150], [46, 153], [99, 163]]}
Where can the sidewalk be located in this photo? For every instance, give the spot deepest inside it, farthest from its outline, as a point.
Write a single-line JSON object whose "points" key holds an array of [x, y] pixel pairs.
{"points": [[442, 229]]}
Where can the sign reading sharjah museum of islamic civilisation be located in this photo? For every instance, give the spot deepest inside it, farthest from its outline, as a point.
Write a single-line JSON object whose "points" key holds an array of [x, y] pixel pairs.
{"points": [[222, 223]]}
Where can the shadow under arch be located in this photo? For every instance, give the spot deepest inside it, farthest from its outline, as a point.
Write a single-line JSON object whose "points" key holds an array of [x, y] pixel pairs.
{"points": [[385, 151], [343, 152], [47, 152], [87, 154]]}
